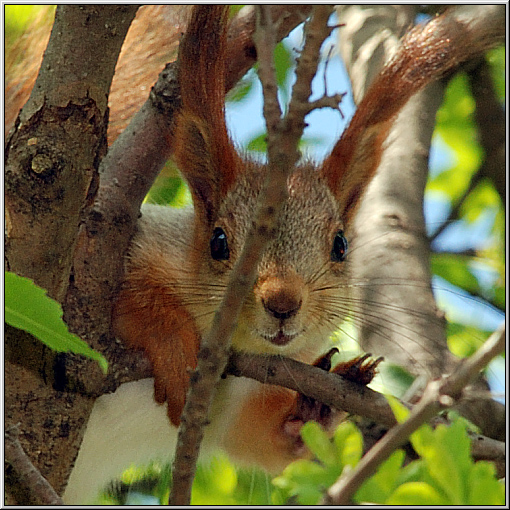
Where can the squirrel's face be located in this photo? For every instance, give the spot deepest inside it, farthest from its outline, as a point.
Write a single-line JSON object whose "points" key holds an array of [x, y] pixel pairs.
{"points": [[297, 300]]}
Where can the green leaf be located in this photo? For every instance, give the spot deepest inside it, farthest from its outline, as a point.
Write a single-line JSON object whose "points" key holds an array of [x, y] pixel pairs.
{"points": [[463, 340], [380, 486], [215, 482], [242, 89], [497, 60], [283, 65], [234, 9], [448, 460], [319, 443], [349, 444], [258, 143], [416, 493], [27, 307], [303, 479], [400, 411], [483, 199], [456, 270], [484, 488], [171, 191], [422, 439]]}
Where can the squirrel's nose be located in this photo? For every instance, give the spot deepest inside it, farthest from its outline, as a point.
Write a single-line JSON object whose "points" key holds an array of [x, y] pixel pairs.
{"points": [[286, 314], [282, 304]]}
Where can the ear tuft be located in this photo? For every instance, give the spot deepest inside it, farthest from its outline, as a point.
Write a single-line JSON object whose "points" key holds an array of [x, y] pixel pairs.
{"points": [[427, 53], [203, 150]]}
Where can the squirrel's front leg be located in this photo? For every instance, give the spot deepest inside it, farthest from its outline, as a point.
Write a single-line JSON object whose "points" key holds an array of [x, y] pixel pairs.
{"points": [[264, 431], [267, 428]]}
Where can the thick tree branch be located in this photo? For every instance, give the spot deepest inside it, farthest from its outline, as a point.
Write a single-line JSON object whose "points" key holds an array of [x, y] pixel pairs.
{"points": [[97, 259], [52, 159], [396, 315], [54, 152]]}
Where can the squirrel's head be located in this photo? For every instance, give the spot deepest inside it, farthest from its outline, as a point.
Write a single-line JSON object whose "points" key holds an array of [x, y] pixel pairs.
{"points": [[297, 299], [297, 292], [295, 303]]}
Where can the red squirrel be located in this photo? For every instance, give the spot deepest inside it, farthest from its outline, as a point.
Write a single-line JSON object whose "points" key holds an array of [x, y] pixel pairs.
{"points": [[180, 259]]}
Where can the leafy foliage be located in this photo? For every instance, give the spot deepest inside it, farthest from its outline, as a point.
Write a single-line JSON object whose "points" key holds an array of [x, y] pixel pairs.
{"points": [[445, 473]]}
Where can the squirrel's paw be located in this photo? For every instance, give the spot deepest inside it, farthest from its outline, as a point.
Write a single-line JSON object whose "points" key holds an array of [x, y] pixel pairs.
{"points": [[360, 369], [356, 370]]}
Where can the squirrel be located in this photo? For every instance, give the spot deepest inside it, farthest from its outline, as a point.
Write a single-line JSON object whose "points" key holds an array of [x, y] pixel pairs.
{"points": [[179, 261]]}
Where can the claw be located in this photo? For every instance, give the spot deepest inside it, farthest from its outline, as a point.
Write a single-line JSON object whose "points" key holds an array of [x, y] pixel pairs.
{"points": [[356, 371], [324, 362], [306, 408]]}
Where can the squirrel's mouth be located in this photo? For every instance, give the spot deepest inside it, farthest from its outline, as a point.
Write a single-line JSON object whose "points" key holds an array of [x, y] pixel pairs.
{"points": [[280, 338]]}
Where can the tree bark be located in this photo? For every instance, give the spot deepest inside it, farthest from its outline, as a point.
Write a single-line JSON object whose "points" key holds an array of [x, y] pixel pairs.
{"points": [[52, 159]]}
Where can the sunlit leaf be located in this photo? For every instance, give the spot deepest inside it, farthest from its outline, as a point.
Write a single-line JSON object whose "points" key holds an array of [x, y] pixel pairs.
{"points": [[456, 270], [400, 411], [484, 488], [258, 143], [416, 493], [167, 191], [448, 460], [464, 340], [349, 444], [29, 308], [241, 90], [378, 488], [497, 60], [303, 479], [484, 197], [319, 443]]}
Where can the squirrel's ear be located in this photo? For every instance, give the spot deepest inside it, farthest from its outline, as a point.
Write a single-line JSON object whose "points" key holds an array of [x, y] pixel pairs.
{"points": [[426, 53], [203, 150]]}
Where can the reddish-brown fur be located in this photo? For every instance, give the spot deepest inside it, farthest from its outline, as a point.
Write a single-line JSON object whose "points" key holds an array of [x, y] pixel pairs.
{"points": [[172, 285], [215, 173], [147, 316]]}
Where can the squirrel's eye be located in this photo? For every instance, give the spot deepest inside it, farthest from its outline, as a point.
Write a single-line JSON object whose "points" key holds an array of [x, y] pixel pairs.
{"points": [[339, 250], [219, 245]]}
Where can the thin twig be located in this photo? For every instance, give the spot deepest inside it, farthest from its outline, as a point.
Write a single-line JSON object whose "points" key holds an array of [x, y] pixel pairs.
{"points": [[41, 491], [438, 394], [283, 138]]}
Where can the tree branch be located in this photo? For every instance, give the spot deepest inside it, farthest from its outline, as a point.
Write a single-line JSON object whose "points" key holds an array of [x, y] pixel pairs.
{"points": [[340, 393], [53, 153], [313, 382], [98, 257], [406, 327], [52, 159], [438, 395], [37, 489]]}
